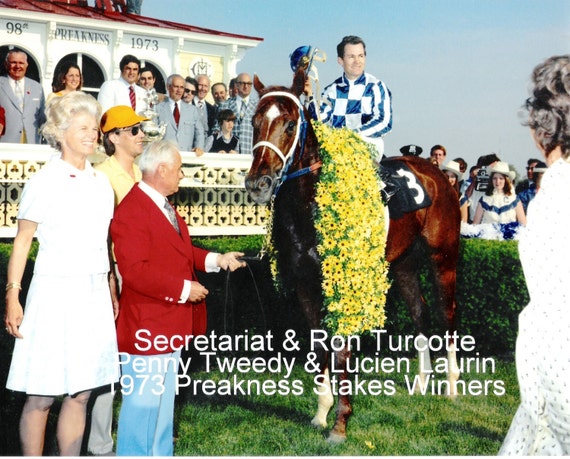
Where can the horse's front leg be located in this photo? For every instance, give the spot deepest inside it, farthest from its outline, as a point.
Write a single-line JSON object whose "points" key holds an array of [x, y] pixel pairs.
{"points": [[453, 371], [326, 399], [344, 407], [424, 363]]}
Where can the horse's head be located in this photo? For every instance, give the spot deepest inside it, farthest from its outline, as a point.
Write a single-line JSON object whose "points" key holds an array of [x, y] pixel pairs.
{"points": [[279, 129]]}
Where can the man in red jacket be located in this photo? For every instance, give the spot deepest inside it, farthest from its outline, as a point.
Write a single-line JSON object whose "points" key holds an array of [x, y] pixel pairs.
{"points": [[2, 121], [160, 297]]}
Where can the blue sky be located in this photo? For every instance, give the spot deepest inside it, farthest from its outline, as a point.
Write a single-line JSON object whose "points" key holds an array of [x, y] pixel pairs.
{"points": [[458, 70]]}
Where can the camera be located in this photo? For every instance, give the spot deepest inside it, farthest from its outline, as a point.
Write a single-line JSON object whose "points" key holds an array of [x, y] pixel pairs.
{"points": [[482, 180]]}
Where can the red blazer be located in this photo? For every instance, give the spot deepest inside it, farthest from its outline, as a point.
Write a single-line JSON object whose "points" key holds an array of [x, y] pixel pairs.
{"points": [[2, 121], [154, 260]]}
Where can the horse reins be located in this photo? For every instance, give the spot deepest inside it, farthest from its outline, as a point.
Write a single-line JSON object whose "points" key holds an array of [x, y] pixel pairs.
{"points": [[228, 300]]}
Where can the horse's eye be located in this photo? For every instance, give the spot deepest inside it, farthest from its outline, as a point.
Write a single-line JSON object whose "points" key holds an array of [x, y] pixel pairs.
{"points": [[291, 126]]}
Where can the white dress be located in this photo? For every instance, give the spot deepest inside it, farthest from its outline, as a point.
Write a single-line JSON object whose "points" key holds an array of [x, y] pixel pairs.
{"points": [[499, 208], [69, 342], [541, 425]]}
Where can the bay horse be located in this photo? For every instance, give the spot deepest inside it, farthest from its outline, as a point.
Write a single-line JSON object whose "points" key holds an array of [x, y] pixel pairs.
{"points": [[285, 171]]}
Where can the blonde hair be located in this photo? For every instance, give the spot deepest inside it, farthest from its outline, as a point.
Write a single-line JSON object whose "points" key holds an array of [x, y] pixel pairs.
{"points": [[61, 110]]}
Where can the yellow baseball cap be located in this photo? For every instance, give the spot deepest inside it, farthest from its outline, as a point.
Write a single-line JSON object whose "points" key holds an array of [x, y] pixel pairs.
{"points": [[118, 117]]}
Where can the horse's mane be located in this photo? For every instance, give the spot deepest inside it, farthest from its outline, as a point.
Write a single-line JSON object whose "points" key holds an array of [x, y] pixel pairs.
{"points": [[296, 88]]}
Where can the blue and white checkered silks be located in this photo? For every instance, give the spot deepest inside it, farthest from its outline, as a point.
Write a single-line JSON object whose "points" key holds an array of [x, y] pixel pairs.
{"points": [[363, 105]]}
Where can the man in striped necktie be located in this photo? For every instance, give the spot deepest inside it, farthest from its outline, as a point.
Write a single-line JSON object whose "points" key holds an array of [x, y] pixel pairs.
{"points": [[124, 90]]}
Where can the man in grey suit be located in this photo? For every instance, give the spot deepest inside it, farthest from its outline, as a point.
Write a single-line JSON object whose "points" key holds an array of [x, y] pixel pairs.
{"points": [[243, 105], [183, 124], [22, 99]]}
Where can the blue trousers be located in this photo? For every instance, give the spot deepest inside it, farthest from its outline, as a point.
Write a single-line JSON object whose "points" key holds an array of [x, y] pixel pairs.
{"points": [[146, 419]]}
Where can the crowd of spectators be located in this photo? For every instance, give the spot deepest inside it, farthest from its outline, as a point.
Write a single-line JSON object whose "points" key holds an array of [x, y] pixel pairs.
{"points": [[492, 199], [190, 118]]}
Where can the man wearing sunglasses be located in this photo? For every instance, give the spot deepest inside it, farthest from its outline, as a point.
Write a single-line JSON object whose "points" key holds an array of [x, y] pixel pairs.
{"points": [[243, 105], [123, 142], [190, 89]]}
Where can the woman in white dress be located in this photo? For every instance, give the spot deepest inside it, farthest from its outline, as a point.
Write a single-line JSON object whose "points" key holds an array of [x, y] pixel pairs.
{"points": [[66, 343], [500, 204], [541, 425]]}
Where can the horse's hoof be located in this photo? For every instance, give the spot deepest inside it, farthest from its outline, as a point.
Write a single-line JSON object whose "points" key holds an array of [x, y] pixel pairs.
{"points": [[335, 439], [318, 423], [452, 392]]}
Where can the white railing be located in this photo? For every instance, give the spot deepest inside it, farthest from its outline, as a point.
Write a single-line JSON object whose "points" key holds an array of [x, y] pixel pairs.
{"points": [[212, 197]]}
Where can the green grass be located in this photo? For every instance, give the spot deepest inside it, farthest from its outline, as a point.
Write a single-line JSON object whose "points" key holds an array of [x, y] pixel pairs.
{"points": [[261, 425], [274, 425], [398, 425]]}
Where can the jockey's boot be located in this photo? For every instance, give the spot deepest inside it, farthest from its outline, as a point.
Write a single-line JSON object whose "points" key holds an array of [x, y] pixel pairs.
{"points": [[390, 187]]}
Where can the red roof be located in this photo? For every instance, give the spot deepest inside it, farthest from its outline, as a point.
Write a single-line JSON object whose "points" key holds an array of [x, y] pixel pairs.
{"points": [[74, 9]]}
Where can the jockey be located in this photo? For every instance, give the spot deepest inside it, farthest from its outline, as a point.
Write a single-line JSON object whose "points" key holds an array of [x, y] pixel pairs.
{"points": [[356, 100]]}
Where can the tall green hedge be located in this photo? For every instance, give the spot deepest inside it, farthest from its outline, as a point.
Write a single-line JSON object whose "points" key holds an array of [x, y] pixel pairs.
{"points": [[491, 292]]}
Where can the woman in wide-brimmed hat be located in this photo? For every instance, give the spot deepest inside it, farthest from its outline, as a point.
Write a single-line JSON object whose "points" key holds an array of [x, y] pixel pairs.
{"points": [[500, 204]]}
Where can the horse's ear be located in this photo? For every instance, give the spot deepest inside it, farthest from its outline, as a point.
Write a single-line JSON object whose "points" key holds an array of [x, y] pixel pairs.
{"points": [[257, 84], [299, 82]]}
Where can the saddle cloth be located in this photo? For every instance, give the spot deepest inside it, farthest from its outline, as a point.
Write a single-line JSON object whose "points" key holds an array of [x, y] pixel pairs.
{"points": [[409, 193]]}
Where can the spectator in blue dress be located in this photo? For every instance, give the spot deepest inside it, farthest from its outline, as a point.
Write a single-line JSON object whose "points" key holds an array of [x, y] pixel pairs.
{"points": [[500, 204]]}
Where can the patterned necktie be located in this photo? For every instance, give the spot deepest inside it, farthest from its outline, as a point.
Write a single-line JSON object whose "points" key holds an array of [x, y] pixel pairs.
{"points": [[171, 215], [19, 92], [133, 98], [243, 108], [176, 113]]}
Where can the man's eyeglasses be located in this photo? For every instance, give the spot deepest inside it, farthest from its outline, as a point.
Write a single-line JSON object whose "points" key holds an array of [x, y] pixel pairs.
{"points": [[245, 83], [134, 130], [191, 91]]}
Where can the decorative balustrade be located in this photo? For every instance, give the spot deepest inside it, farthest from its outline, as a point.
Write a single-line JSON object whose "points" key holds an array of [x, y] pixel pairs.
{"points": [[212, 198]]}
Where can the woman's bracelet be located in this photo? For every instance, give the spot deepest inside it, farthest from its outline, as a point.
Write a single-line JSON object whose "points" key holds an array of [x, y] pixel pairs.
{"points": [[11, 285]]}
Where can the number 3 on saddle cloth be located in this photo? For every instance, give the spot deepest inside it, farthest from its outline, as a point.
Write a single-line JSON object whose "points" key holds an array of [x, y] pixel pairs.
{"points": [[403, 192]]}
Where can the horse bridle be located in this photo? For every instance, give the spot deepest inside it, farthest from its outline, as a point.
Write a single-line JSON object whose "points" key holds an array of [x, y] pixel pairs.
{"points": [[300, 134]]}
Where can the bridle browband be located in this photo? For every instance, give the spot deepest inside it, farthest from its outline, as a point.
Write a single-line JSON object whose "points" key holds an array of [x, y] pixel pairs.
{"points": [[300, 135]]}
